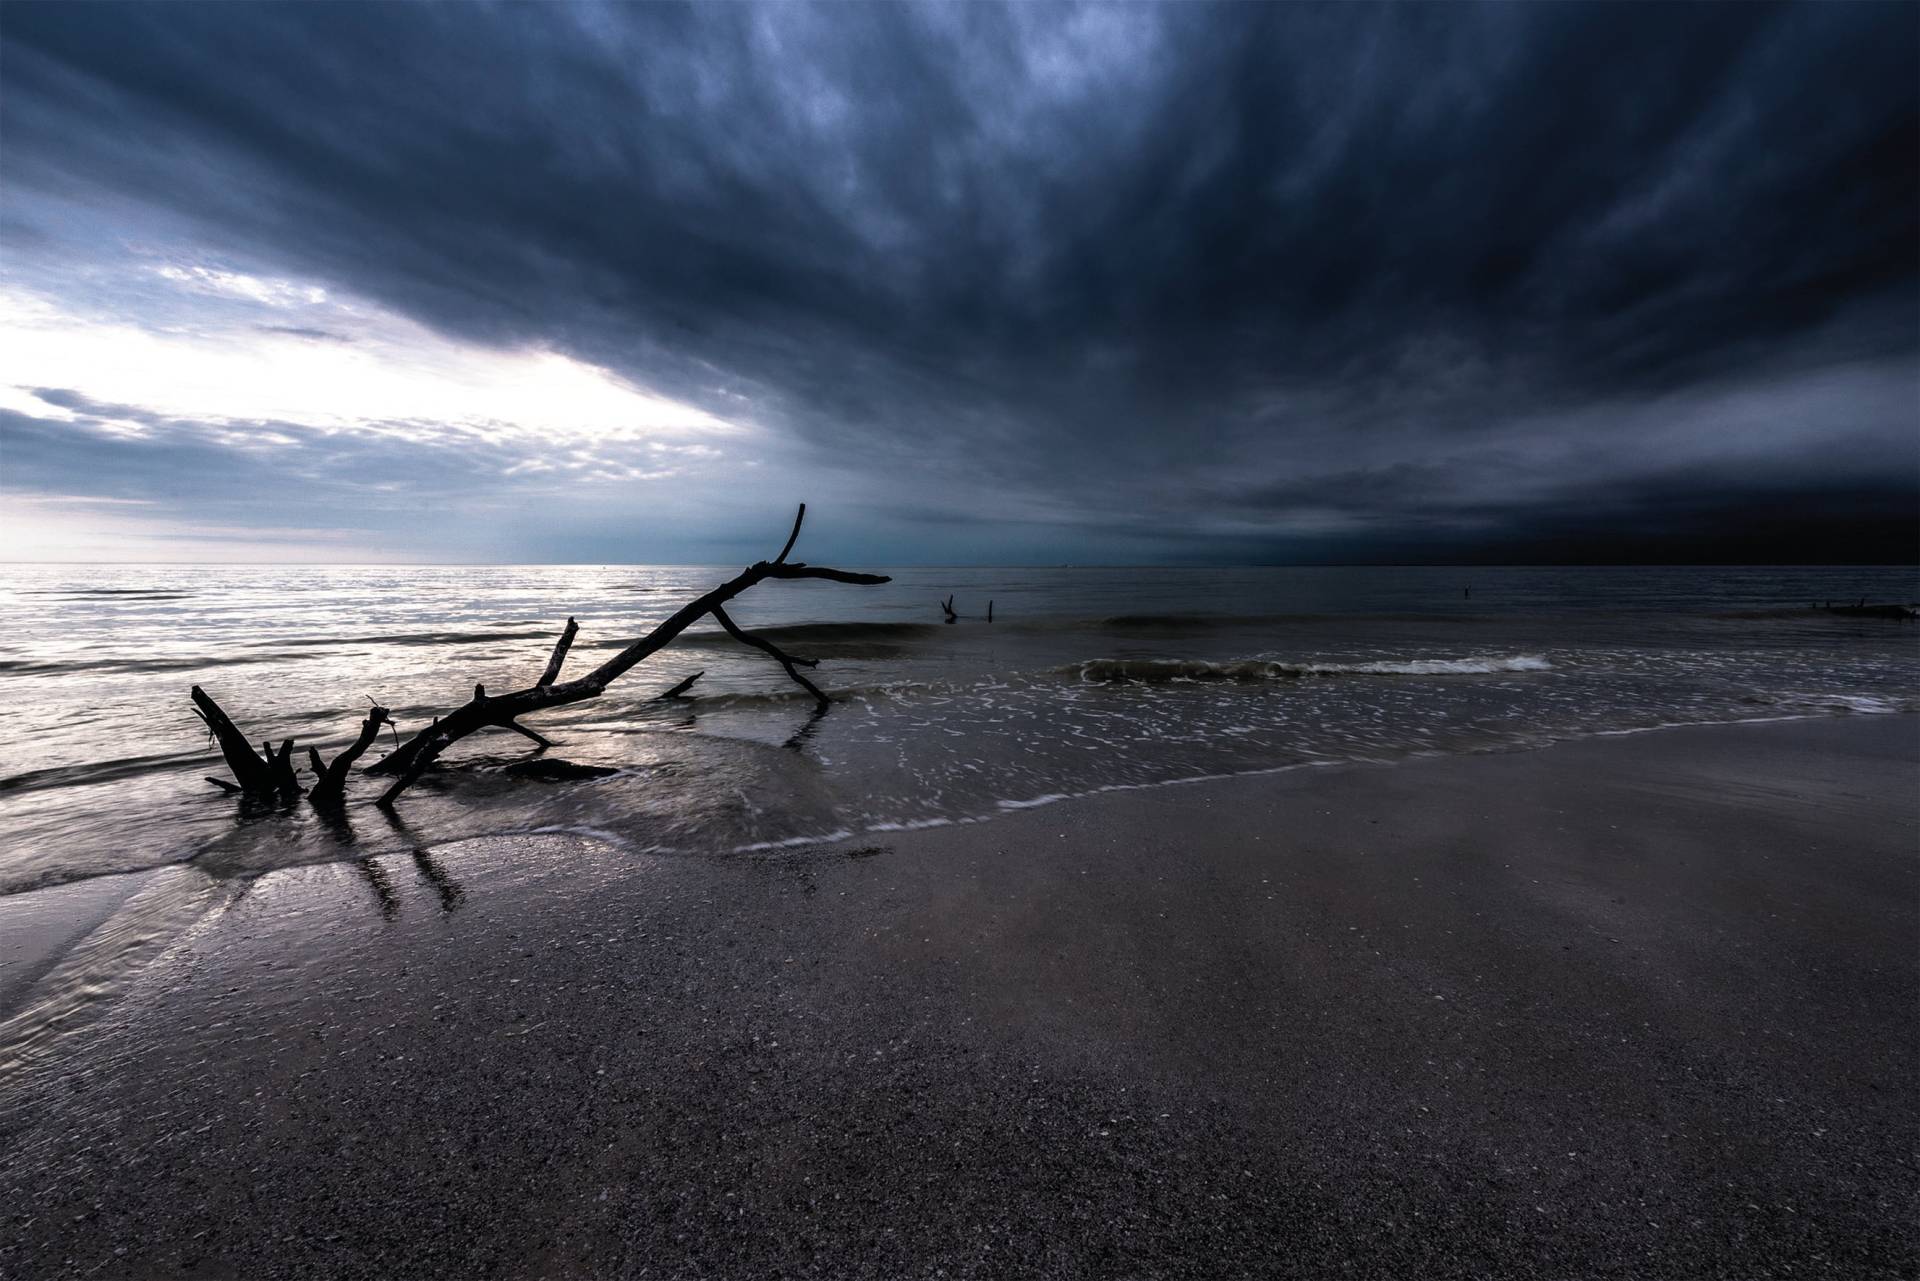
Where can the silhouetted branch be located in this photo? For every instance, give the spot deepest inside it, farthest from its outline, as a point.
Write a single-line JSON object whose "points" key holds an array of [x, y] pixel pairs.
{"points": [[560, 649], [253, 773], [415, 756], [520, 729], [331, 786], [679, 689], [792, 538], [267, 773], [785, 659]]}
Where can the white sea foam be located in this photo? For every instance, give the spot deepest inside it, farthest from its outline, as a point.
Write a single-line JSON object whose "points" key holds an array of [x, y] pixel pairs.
{"points": [[1160, 670], [1429, 666], [1034, 802], [1859, 704], [837, 835]]}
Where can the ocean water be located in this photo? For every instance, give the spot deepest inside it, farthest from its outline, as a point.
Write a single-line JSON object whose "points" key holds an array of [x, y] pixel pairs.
{"points": [[1087, 679]]}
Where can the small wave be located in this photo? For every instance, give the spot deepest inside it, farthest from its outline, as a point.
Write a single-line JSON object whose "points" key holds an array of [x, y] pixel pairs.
{"points": [[1162, 670], [913, 824], [1176, 622], [822, 634], [421, 638], [795, 842], [1034, 802], [1222, 622], [1854, 704], [29, 668], [1432, 667], [788, 695], [107, 593], [105, 771]]}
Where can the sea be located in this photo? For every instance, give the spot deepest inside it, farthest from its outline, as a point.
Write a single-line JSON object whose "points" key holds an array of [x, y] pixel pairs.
{"points": [[1086, 679]]}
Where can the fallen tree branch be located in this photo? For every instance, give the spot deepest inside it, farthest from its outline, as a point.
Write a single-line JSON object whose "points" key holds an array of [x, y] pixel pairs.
{"points": [[793, 537], [266, 773], [680, 689], [250, 772], [560, 649], [520, 729], [331, 786], [785, 659], [417, 754]]}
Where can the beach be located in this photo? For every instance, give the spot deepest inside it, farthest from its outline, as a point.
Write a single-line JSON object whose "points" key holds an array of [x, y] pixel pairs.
{"points": [[1639, 1005]]}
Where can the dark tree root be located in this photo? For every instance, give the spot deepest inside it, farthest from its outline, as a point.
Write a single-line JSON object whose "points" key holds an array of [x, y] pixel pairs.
{"points": [[268, 774], [263, 775]]}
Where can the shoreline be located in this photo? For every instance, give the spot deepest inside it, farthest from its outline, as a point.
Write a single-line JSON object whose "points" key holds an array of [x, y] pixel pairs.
{"points": [[884, 830], [1632, 1004]]}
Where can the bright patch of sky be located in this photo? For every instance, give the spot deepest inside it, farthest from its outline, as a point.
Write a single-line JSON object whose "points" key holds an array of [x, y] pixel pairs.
{"points": [[252, 348]]}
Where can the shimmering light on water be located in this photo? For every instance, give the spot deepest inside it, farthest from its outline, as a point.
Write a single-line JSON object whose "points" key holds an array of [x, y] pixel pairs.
{"points": [[1087, 679]]}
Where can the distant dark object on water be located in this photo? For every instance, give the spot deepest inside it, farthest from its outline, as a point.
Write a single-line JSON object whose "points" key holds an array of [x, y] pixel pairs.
{"points": [[946, 608], [557, 771], [1864, 610]]}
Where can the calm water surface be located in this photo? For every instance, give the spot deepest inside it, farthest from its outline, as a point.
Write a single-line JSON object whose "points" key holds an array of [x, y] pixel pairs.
{"points": [[1087, 679]]}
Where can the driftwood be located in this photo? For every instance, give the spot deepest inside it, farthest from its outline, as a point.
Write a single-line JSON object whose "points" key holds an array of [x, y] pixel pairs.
{"points": [[680, 690], [263, 775], [331, 786], [946, 607], [269, 774], [412, 758]]}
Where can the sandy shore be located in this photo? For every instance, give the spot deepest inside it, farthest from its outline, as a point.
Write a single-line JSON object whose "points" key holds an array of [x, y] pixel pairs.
{"points": [[1639, 1007]]}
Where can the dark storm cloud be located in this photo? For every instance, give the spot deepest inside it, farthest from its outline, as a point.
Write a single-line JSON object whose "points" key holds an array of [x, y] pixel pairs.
{"points": [[1250, 280]]}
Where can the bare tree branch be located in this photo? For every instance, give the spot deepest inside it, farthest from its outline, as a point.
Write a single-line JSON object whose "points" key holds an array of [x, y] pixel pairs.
{"points": [[266, 773], [331, 787], [679, 689], [792, 538], [518, 728], [416, 755], [253, 773], [560, 649], [786, 660]]}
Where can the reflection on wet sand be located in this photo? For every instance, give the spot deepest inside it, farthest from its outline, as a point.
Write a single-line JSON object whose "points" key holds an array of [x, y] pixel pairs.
{"points": [[76, 949]]}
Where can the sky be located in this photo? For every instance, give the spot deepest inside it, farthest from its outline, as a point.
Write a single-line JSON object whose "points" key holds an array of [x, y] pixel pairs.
{"points": [[1037, 283]]}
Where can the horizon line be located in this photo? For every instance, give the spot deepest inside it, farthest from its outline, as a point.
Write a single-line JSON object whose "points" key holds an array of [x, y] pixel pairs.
{"points": [[663, 564]]}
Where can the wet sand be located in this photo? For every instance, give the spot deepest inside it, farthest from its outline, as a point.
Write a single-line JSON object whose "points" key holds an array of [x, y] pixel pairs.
{"points": [[1640, 1006]]}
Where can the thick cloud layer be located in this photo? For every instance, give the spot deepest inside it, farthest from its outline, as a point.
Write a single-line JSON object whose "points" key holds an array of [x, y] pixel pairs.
{"points": [[1181, 281]]}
